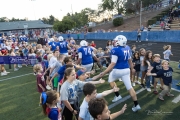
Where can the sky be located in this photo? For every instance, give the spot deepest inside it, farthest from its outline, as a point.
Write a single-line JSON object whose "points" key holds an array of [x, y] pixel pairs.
{"points": [[35, 9]]}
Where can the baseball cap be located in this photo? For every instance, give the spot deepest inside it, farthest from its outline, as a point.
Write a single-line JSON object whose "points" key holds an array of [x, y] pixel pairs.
{"points": [[79, 73]]}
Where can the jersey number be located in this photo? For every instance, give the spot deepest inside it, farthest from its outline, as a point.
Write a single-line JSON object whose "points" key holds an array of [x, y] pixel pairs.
{"points": [[126, 54], [63, 45], [87, 51]]}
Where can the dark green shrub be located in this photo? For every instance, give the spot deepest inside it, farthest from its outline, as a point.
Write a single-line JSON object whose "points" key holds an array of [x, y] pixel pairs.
{"points": [[118, 21]]}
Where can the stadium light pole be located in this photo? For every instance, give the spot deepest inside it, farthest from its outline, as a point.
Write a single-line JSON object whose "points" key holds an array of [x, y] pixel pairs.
{"points": [[140, 13], [33, 9]]}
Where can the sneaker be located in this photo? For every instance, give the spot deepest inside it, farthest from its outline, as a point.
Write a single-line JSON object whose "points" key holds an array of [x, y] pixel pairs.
{"points": [[116, 98], [134, 109], [149, 89], [136, 41], [137, 82], [19, 66], [133, 84], [6, 72], [139, 41], [161, 98], [3, 73], [120, 79], [16, 69], [155, 92]]}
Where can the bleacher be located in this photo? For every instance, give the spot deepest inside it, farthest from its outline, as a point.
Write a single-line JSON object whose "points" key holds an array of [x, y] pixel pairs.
{"points": [[174, 25]]}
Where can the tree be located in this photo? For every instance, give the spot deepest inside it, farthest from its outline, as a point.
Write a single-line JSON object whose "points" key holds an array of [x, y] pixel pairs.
{"points": [[4, 19], [51, 20], [117, 5], [64, 25], [133, 6]]}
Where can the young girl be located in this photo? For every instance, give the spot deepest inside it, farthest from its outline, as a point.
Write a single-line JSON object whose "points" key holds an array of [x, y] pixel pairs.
{"points": [[41, 85], [69, 94], [32, 56], [136, 62], [13, 54], [100, 54], [156, 66], [148, 62], [166, 74], [133, 48], [167, 52], [109, 45], [142, 53], [49, 101], [107, 56]]}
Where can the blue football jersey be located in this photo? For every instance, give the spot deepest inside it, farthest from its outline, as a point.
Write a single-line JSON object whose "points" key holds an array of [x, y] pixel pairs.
{"points": [[86, 55], [21, 39], [14, 39], [63, 46], [53, 45], [25, 39], [123, 54]]}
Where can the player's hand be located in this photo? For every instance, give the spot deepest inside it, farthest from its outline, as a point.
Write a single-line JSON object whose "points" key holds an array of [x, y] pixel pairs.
{"points": [[101, 81], [124, 108]]}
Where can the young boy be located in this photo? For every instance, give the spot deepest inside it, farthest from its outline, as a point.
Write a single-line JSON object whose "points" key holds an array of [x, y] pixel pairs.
{"points": [[90, 93], [83, 76], [99, 110], [156, 66]]}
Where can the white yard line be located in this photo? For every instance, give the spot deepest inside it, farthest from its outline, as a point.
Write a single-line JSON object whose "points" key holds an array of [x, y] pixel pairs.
{"points": [[176, 99], [15, 77], [124, 99]]}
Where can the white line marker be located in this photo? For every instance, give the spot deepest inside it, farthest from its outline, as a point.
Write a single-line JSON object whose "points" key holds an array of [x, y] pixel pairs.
{"points": [[124, 99], [15, 77], [176, 100]]}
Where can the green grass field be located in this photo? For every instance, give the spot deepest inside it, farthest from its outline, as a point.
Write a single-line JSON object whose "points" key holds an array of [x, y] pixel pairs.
{"points": [[19, 99]]}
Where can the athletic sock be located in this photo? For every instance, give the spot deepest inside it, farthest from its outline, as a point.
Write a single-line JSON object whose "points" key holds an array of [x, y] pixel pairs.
{"points": [[116, 93], [135, 103]]}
